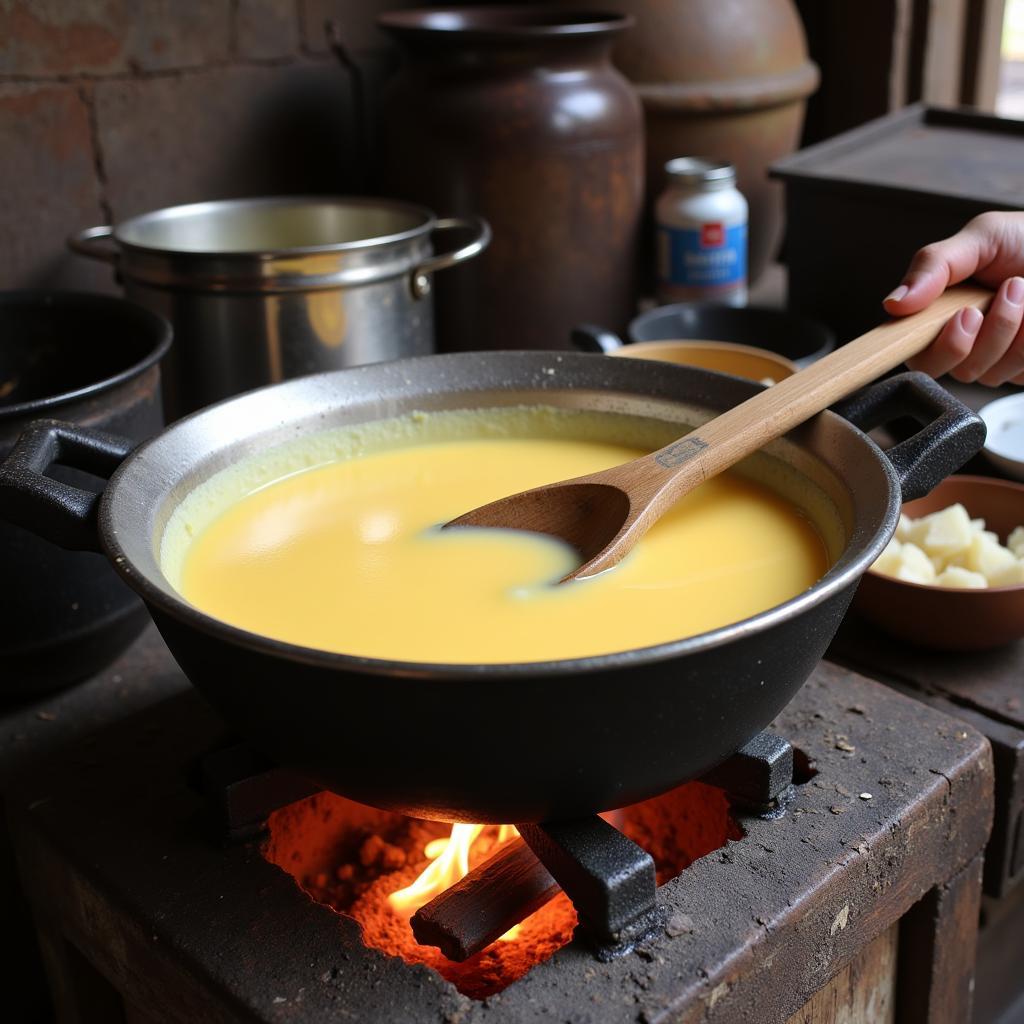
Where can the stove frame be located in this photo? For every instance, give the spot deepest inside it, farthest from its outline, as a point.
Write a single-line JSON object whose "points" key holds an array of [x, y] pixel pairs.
{"points": [[610, 880], [141, 918]]}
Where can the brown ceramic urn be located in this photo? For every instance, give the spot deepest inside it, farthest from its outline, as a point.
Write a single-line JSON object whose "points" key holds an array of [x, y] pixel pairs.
{"points": [[516, 113]]}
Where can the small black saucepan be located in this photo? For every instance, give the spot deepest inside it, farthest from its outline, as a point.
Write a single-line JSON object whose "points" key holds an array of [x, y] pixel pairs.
{"points": [[433, 740], [778, 330], [93, 361]]}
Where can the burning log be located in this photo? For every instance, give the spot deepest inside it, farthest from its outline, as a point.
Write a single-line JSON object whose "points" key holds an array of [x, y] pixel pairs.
{"points": [[491, 899]]}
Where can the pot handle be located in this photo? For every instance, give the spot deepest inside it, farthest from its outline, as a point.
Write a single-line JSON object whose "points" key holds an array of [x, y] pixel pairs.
{"points": [[49, 508], [84, 243], [950, 433], [591, 338], [420, 279]]}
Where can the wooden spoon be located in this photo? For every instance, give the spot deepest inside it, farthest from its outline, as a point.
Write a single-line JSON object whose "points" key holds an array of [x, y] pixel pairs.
{"points": [[602, 515]]}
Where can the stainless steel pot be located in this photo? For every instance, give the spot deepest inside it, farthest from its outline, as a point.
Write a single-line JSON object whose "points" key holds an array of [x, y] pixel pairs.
{"points": [[262, 290], [588, 734]]}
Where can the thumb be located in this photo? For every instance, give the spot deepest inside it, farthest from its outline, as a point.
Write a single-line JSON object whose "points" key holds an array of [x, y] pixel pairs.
{"points": [[933, 269]]}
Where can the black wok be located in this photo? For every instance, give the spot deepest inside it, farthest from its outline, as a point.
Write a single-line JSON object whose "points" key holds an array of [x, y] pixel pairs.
{"points": [[499, 743]]}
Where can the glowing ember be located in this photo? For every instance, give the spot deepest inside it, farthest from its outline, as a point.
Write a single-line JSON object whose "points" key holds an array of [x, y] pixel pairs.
{"points": [[353, 859], [449, 863]]}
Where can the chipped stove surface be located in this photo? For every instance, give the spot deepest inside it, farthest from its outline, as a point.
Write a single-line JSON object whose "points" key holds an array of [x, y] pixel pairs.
{"points": [[753, 928]]}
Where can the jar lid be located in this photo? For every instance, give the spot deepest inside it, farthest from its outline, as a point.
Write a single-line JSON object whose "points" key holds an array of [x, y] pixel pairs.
{"points": [[698, 171]]}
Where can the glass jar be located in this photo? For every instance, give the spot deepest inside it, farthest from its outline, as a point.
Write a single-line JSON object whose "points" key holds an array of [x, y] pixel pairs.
{"points": [[702, 234]]}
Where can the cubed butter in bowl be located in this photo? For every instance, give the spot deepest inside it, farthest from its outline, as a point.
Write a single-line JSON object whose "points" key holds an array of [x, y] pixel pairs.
{"points": [[952, 576]]}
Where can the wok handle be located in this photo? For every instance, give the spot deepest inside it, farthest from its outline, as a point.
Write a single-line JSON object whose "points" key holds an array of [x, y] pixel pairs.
{"points": [[49, 508], [950, 433]]}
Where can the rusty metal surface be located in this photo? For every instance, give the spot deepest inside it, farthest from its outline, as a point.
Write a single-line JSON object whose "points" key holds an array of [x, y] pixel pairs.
{"points": [[983, 688], [115, 858]]}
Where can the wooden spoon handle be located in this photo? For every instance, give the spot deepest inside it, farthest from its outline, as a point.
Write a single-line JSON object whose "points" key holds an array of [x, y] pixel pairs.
{"points": [[752, 424]]}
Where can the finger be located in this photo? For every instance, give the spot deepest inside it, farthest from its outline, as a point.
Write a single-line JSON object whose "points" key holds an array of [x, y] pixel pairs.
{"points": [[935, 267], [952, 345], [1010, 367], [1011, 363], [998, 329]]}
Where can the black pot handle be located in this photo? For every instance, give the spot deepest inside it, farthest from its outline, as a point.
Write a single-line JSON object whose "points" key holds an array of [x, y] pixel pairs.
{"points": [[591, 338], [54, 510], [951, 432]]}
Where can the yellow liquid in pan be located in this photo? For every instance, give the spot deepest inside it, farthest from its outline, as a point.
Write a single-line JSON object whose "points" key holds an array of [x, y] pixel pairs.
{"points": [[348, 557]]}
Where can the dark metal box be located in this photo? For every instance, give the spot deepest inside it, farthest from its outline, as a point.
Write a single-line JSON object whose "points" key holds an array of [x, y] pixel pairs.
{"points": [[858, 206]]}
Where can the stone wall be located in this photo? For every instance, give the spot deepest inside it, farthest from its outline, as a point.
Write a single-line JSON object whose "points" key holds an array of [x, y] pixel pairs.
{"points": [[109, 108]]}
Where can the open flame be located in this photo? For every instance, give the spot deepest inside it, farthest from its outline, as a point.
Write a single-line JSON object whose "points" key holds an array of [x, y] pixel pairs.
{"points": [[449, 863], [351, 858]]}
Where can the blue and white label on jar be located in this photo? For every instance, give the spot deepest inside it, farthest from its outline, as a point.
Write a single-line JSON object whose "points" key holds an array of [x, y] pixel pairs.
{"points": [[709, 256]]}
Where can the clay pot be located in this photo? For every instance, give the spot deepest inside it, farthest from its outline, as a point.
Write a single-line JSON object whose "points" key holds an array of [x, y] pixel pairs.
{"points": [[952, 620], [726, 79], [516, 113]]}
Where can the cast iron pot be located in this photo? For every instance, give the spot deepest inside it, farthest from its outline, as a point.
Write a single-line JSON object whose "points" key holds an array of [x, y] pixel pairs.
{"points": [[497, 743], [92, 360]]}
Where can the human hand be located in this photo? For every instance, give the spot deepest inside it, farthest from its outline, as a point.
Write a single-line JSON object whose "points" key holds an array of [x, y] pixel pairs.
{"points": [[989, 348]]}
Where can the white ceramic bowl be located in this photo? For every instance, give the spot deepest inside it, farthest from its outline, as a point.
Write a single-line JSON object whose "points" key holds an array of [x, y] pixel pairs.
{"points": [[1004, 446]]}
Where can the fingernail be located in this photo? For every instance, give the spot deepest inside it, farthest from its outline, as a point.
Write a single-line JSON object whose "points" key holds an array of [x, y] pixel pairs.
{"points": [[1015, 291], [897, 294], [970, 320]]}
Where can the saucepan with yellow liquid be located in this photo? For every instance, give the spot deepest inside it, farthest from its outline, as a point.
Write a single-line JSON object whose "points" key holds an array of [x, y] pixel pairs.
{"points": [[288, 545]]}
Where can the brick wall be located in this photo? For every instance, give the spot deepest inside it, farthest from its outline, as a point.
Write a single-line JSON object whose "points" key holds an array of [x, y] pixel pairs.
{"points": [[109, 108]]}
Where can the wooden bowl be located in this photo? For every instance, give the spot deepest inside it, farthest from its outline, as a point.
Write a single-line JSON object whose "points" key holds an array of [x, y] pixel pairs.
{"points": [[938, 617], [723, 356]]}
